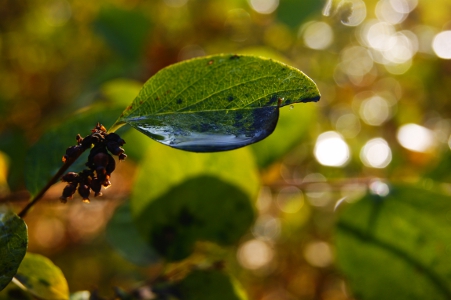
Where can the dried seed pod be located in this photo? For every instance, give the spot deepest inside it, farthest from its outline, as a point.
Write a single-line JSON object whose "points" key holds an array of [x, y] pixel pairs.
{"points": [[122, 156], [72, 152], [68, 192], [70, 177], [96, 185], [111, 165], [113, 137], [84, 190]]}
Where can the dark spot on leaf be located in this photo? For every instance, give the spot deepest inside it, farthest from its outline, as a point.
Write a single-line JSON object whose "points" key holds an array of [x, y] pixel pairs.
{"points": [[230, 98], [283, 69], [210, 62], [44, 282], [185, 217], [129, 107], [179, 101], [158, 98], [234, 56]]}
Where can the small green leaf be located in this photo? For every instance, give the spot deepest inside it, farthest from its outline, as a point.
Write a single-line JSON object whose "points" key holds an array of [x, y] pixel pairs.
{"points": [[216, 103], [398, 246], [13, 245], [42, 278], [44, 158], [123, 235], [210, 284]]}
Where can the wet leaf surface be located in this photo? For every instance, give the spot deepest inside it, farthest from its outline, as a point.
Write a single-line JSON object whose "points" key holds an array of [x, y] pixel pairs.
{"points": [[13, 245], [42, 278], [216, 103], [398, 246]]}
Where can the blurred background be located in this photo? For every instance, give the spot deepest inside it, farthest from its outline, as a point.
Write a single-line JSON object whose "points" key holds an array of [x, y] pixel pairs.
{"points": [[383, 68]]}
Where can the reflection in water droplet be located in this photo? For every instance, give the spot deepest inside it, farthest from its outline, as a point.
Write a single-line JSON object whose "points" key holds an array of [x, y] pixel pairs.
{"points": [[291, 107], [209, 131]]}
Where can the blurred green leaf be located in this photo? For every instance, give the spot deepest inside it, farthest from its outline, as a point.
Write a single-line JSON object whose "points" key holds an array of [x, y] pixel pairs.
{"points": [[14, 144], [203, 208], [294, 12], [217, 103], [123, 235], [398, 246], [290, 131], [44, 158], [13, 245], [121, 91], [125, 31], [200, 285], [42, 278]]}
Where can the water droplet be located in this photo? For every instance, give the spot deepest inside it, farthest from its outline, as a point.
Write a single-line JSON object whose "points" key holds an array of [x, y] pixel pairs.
{"points": [[206, 132], [291, 106]]}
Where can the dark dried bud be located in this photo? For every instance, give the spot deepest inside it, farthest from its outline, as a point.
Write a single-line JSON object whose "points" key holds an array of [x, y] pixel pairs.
{"points": [[68, 192], [111, 165], [84, 190], [72, 152], [79, 139], [87, 142], [96, 185], [122, 156], [70, 177], [113, 137], [114, 148]]}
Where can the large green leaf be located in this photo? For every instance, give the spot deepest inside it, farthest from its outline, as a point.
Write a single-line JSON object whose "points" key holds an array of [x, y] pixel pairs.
{"points": [[398, 246], [42, 278], [44, 158], [216, 103], [202, 208], [123, 235], [209, 284], [13, 245], [194, 197]]}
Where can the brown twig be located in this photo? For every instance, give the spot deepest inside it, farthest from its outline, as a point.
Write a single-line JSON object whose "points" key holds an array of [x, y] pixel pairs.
{"points": [[51, 182]]}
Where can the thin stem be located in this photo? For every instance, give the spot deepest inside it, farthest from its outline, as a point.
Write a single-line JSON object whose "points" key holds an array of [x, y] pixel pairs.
{"points": [[52, 181]]}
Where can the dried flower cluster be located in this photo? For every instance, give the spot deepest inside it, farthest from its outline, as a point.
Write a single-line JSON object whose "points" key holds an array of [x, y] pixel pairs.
{"points": [[100, 163]]}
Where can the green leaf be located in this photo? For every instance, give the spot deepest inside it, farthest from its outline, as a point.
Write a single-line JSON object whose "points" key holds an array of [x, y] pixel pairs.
{"points": [[216, 103], [398, 246], [13, 245], [42, 278], [123, 235], [44, 158], [180, 192], [211, 284], [203, 208]]}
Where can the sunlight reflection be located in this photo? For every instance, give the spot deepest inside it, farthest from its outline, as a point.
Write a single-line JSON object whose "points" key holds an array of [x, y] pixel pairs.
{"points": [[331, 149], [264, 6], [379, 188], [442, 44], [318, 254], [415, 137], [376, 153], [255, 254], [317, 35], [375, 110], [290, 199]]}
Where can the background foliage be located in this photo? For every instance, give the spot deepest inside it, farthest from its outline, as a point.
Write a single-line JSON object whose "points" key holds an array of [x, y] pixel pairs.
{"points": [[298, 233]]}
